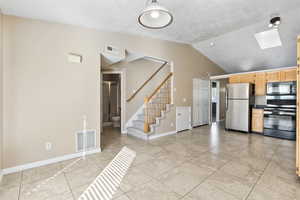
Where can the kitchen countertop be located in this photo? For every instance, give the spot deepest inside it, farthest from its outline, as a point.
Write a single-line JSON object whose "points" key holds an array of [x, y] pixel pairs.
{"points": [[259, 106]]}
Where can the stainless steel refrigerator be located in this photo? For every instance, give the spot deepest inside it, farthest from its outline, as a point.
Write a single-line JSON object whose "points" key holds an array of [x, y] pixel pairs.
{"points": [[239, 98]]}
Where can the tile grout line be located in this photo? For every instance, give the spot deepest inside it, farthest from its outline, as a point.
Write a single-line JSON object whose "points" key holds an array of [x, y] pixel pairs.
{"points": [[69, 186], [198, 184], [20, 186], [251, 190], [206, 179]]}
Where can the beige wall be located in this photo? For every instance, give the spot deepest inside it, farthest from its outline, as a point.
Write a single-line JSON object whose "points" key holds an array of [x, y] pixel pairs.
{"points": [[136, 74], [45, 96]]}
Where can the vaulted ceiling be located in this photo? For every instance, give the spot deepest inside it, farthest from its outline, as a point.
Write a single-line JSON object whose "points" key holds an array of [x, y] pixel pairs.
{"points": [[229, 23]]}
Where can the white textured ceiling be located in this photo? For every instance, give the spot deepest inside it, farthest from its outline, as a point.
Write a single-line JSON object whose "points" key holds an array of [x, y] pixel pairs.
{"points": [[194, 20], [238, 51]]}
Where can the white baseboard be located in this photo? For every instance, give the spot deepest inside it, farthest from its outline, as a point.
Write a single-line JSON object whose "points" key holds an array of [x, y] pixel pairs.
{"points": [[46, 162], [155, 136]]}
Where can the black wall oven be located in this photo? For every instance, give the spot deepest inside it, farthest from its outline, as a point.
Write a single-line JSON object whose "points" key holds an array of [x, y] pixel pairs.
{"points": [[280, 112]]}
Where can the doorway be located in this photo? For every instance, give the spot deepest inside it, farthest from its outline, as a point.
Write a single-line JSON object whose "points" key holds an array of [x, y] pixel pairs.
{"points": [[112, 104], [215, 101]]}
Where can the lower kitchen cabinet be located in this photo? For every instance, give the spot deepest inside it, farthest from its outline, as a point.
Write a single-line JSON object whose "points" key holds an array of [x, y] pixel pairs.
{"points": [[257, 120]]}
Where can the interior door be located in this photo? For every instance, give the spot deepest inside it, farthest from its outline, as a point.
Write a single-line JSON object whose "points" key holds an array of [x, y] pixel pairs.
{"points": [[196, 112], [200, 102], [204, 101], [183, 118]]}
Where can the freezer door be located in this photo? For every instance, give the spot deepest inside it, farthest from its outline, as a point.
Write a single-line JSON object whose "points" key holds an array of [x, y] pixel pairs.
{"points": [[237, 115], [238, 91]]}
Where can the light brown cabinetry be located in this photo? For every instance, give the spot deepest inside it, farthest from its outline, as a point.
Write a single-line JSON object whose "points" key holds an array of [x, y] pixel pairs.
{"points": [[273, 76], [288, 75], [262, 78], [234, 79], [298, 110], [260, 84], [242, 78], [247, 78], [258, 120]]}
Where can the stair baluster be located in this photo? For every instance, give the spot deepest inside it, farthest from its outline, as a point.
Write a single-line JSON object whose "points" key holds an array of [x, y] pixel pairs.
{"points": [[157, 102]]}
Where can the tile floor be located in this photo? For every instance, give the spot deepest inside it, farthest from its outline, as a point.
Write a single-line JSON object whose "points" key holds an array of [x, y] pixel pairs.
{"points": [[205, 163]]}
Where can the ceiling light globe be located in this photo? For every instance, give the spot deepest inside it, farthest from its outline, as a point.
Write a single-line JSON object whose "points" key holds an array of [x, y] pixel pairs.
{"points": [[154, 16]]}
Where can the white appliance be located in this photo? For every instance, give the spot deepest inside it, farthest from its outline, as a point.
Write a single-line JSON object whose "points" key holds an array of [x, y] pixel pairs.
{"points": [[183, 118], [239, 98], [200, 102]]}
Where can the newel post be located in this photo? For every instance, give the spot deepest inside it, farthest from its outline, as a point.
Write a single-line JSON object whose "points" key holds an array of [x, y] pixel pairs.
{"points": [[146, 122]]}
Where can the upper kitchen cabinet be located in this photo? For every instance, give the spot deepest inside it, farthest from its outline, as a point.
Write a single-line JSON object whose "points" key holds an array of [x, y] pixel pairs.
{"points": [[234, 79], [288, 75], [247, 78], [273, 76], [242, 78], [260, 84]]}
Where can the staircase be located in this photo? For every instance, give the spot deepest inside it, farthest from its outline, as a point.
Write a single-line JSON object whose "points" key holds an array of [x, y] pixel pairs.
{"points": [[155, 107]]}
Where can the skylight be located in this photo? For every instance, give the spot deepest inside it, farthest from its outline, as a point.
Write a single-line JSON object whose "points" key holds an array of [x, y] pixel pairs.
{"points": [[268, 39]]}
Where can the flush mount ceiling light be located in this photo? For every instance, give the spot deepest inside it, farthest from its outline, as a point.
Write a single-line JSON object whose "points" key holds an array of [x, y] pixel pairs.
{"points": [[154, 16], [275, 22]]}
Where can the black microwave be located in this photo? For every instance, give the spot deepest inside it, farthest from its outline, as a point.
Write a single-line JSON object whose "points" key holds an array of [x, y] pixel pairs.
{"points": [[282, 88]]}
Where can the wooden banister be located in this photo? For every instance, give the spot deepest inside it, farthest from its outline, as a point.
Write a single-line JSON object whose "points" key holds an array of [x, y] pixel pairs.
{"points": [[158, 88], [147, 81], [154, 109]]}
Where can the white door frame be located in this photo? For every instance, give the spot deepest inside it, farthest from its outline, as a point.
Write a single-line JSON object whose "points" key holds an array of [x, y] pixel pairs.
{"points": [[218, 101], [123, 99]]}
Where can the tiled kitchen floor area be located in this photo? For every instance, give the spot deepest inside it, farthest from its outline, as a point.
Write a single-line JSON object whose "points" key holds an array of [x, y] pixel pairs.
{"points": [[205, 163]]}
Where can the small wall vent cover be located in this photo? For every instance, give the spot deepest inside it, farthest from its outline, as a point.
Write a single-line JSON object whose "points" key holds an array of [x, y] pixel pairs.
{"points": [[91, 140], [74, 58]]}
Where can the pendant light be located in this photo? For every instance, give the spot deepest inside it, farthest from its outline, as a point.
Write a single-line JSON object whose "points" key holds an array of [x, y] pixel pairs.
{"points": [[154, 16]]}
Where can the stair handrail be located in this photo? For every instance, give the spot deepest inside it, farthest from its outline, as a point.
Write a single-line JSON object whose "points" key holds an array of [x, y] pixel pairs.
{"points": [[147, 81], [160, 86], [148, 99]]}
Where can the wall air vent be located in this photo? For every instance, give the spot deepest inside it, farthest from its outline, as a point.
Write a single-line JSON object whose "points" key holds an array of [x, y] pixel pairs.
{"points": [[268, 39], [90, 142], [112, 55]]}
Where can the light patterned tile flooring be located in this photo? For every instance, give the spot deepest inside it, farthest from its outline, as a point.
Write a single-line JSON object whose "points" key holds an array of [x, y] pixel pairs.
{"points": [[204, 163]]}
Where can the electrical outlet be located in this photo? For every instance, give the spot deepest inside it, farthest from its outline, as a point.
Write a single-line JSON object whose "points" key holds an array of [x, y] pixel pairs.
{"points": [[48, 146], [184, 99], [172, 124]]}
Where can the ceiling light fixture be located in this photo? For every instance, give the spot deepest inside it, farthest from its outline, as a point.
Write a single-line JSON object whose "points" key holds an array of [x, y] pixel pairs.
{"points": [[155, 16], [275, 22]]}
